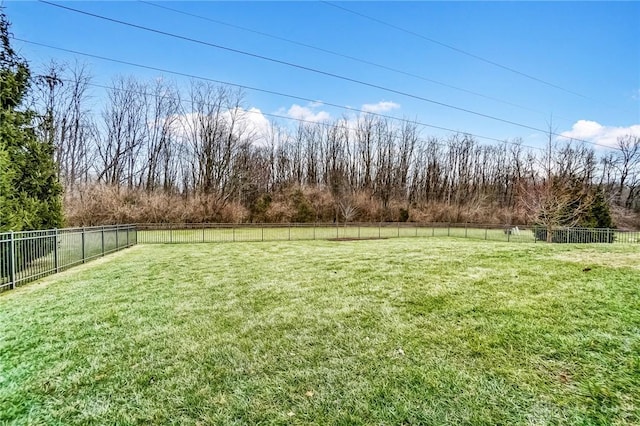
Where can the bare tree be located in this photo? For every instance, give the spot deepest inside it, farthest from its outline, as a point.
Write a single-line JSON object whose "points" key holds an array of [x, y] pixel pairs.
{"points": [[158, 154], [628, 166], [67, 121], [365, 135], [385, 139], [215, 130], [348, 211], [126, 129], [406, 148], [563, 195]]}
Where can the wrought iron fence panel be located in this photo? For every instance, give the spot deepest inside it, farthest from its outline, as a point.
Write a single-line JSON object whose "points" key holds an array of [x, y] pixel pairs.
{"points": [[28, 255], [223, 232]]}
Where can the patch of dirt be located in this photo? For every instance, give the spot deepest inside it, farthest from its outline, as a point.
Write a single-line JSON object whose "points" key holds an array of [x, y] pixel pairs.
{"points": [[593, 258], [357, 239]]}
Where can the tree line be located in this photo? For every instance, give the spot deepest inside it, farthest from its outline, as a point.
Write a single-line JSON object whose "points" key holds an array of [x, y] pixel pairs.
{"points": [[200, 144], [157, 151]]}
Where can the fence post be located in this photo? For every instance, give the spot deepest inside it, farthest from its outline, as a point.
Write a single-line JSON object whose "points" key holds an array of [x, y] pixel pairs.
{"points": [[485, 234], [262, 231], [448, 229], [83, 244], [102, 233], [398, 229], [55, 250], [465, 229], [203, 233], [170, 233], [117, 242], [379, 229], [233, 232], [289, 232], [314, 231], [127, 237], [12, 260], [508, 235]]}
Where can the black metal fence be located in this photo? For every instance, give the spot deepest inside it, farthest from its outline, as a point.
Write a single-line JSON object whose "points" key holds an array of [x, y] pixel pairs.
{"points": [[217, 232], [28, 255]]}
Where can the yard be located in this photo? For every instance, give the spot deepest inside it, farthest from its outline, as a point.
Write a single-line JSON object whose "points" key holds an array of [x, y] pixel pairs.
{"points": [[392, 331]]}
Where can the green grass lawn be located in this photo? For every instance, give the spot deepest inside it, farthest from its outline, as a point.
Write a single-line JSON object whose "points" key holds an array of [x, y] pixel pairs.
{"points": [[397, 331]]}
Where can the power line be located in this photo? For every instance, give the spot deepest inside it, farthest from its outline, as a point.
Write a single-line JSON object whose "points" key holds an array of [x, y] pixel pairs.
{"points": [[285, 95], [341, 55], [271, 92], [458, 50], [310, 69], [249, 111], [302, 120]]}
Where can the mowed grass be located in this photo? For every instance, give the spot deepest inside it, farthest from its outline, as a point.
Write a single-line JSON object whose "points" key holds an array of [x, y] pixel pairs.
{"points": [[398, 331]]}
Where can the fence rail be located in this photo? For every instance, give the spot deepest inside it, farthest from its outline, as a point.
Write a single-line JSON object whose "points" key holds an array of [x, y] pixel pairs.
{"points": [[28, 255], [219, 232]]}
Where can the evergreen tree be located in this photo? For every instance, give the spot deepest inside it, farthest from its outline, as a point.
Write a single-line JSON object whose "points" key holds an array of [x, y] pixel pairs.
{"points": [[599, 214], [29, 188]]}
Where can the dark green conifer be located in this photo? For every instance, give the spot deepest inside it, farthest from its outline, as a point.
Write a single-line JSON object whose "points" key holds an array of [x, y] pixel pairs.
{"points": [[29, 188]]}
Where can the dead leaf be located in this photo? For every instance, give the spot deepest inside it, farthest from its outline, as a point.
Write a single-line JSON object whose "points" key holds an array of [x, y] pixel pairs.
{"points": [[309, 393], [564, 377]]}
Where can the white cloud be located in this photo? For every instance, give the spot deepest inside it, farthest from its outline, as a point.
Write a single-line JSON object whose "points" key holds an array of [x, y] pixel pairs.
{"points": [[593, 131], [306, 113], [382, 106], [250, 123], [253, 123]]}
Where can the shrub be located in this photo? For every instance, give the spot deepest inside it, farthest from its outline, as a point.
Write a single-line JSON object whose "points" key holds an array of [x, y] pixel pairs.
{"points": [[576, 235], [404, 215], [303, 210], [259, 207]]}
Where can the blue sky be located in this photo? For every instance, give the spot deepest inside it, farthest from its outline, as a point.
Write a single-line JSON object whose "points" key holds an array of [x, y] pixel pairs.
{"points": [[591, 50]]}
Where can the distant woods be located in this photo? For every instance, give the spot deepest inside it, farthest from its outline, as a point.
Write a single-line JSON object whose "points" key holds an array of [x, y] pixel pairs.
{"points": [[155, 151]]}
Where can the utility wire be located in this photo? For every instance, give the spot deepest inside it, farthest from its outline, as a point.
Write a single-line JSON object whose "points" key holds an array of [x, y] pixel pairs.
{"points": [[341, 55], [458, 50], [249, 111], [306, 68], [302, 120], [285, 95], [271, 92]]}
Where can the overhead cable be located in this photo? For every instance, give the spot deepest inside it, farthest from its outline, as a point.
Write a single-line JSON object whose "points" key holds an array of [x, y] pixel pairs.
{"points": [[342, 55], [310, 69], [459, 50]]}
